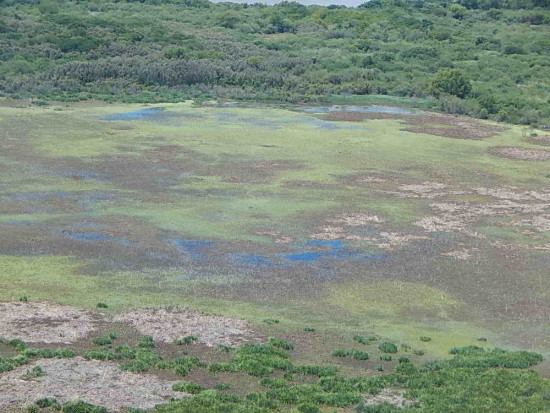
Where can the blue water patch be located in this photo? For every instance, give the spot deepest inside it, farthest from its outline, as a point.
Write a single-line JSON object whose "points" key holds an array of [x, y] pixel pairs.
{"points": [[335, 249], [332, 126], [151, 114], [97, 236], [364, 109], [254, 259], [195, 248]]}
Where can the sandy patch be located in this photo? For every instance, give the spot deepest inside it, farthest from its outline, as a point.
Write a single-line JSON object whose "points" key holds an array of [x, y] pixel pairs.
{"points": [[328, 233], [168, 324], [540, 223], [523, 154], [92, 381], [390, 396], [512, 194], [392, 240], [45, 322], [457, 216], [356, 219]]}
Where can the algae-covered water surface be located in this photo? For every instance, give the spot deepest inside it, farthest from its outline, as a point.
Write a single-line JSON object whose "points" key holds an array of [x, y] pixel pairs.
{"points": [[353, 218]]}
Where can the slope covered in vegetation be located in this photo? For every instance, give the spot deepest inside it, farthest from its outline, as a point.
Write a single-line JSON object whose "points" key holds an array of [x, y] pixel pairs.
{"points": [[488, 59]]}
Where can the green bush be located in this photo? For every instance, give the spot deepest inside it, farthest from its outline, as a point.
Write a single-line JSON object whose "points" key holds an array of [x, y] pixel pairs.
{"points": [[270, 321], [186, 340], [101, 305], [82, 407], [280, 343], [359, 355], [339, 352], [425, 338], [188, 387], [387, 347], [34, 373], [361, 339], [146, 342]]}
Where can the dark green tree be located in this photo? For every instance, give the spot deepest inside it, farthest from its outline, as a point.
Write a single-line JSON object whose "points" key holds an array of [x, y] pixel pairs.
{"points": [[451, 82]]}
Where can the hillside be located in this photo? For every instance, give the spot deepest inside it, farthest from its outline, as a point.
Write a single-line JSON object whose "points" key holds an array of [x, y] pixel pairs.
{"points": [[485, 59]]}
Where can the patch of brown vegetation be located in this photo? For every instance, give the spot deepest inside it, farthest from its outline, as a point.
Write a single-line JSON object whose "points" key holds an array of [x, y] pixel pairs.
{"points": [[45, 322], [347, 116], [543, 140], [92, 381], [522, 154], [168, 324], [458, 127]]}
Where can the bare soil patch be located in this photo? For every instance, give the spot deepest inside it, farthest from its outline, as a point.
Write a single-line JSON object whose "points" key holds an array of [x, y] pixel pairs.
{"points": [[394, 397], [523, 154], [512, 194], [168, 324], [543, 140], [45, 322], [451, 126], [92, 381], [458, 216]]}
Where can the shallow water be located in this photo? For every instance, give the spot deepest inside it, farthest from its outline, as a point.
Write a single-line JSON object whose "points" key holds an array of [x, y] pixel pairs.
{"points": [[361, 109]]}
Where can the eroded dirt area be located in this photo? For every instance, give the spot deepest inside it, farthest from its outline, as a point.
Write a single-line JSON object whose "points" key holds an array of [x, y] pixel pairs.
{"points": [[45, 322], [92, 381], [169, 324]]}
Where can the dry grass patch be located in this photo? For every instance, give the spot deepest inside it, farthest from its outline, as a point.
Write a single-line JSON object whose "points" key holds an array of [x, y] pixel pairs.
{"points": [[522, 154], [45, 322], [390, 396], [92, 381], [169, 324]]}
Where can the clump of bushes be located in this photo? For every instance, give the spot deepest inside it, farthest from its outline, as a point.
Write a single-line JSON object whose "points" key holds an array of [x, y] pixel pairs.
{"points": [[101, 305], [186, 340], [47, 353], [425, 338], [340, 352], [106, 340], [280, 343], [387, 347], [188, 387], [34, 373], [146, 342], [270, 321]]}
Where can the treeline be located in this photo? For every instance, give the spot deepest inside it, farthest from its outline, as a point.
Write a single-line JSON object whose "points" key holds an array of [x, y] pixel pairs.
{"points": [[485, 58]]}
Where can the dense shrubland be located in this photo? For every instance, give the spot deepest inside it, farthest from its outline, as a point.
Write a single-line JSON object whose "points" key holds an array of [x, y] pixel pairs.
{"points": [[475, 379], [485, 58]]}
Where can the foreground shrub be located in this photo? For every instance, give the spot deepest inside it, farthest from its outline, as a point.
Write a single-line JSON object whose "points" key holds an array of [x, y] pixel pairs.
{"points": [[387, 347], [188, 387]]}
